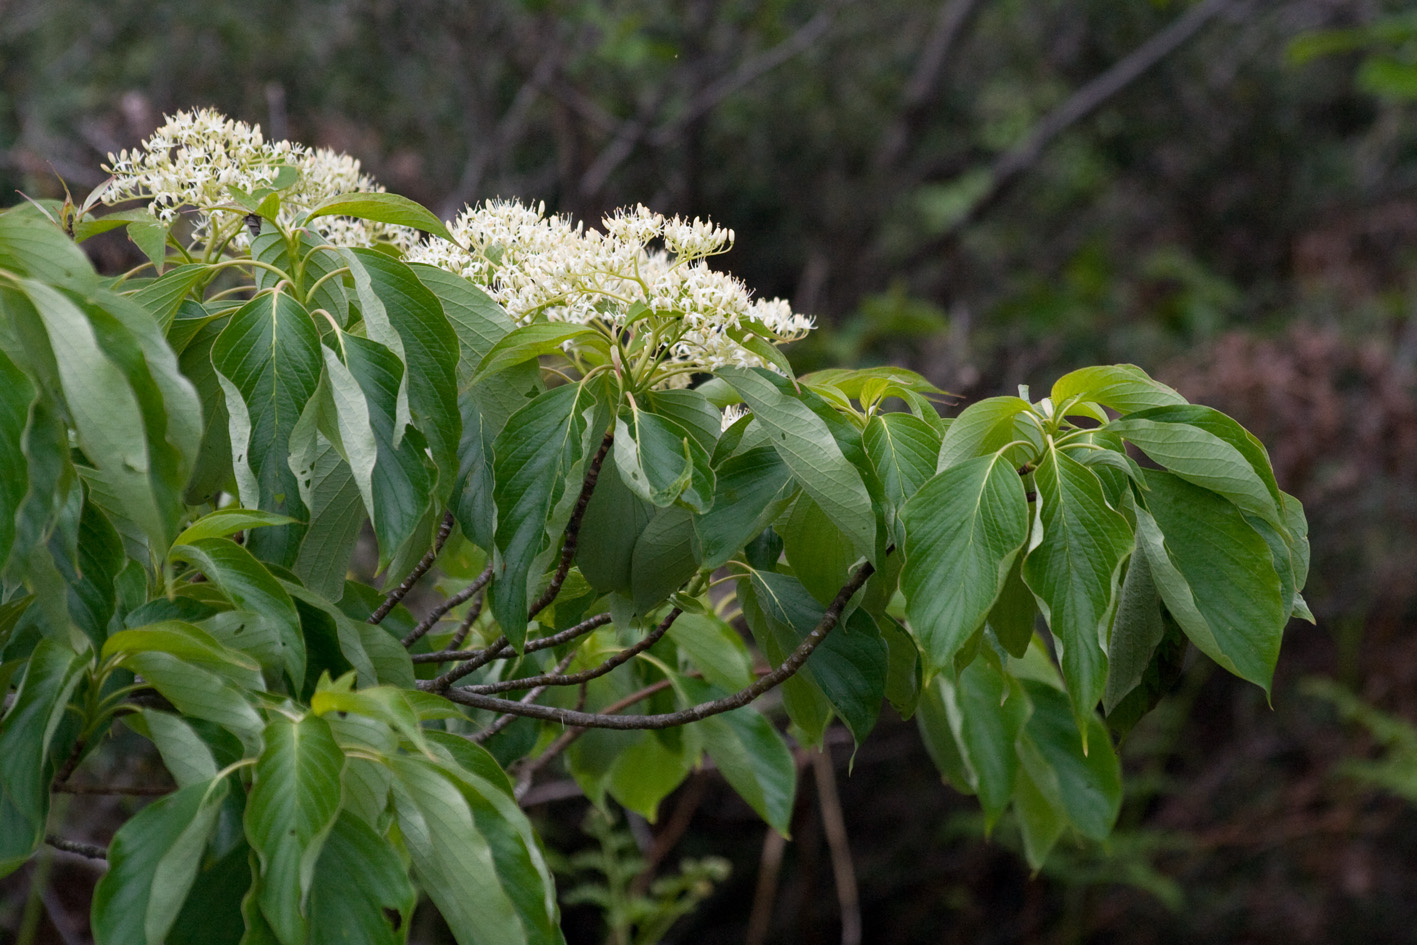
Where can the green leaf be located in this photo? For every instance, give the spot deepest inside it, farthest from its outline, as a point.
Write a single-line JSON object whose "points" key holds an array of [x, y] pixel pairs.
{"points": [[1215, 574], [228, 521], [1125, 388], [1074, 570], [806, 445], [963, 530], [382, 208], [848, 667], [394, 301], [183, 751], [162, 297], [751, 756], [189, 643], [1014, 613], [648, 771], [820, 555], [16, 395], [1136, 631], [692, 411], [538, 465], [152, 863], [614, 520], [51, 677], [455, 863], [373, 651], [665, 556], [982, 429], [34, 246], [198, 692], [986, 710], [268, 360], [111, 417], [1079, 776], [475, 316], [904, 452], [272, 634], [360, 893], [150, 236], [295, 796], [527, 343], [652, 456], [1200, 445], [337, 514], [400, 485], [752, 489], [714, 648]]}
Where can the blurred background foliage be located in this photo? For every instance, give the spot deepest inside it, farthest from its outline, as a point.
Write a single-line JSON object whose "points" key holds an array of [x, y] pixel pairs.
{"points": [[991, 192]]}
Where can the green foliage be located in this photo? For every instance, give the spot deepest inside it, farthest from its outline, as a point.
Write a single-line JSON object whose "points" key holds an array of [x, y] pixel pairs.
{"points": [[178, 502]]}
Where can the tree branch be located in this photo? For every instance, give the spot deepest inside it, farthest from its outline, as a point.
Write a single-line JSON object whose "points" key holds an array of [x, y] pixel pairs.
{"points": [[420, 569], [572, 679], [703, 710], [436, 614], [90, 850]]}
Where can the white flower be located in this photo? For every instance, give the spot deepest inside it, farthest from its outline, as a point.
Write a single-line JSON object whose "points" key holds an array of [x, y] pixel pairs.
{"points": [[732, 414], [548, 268], [197, 157]]}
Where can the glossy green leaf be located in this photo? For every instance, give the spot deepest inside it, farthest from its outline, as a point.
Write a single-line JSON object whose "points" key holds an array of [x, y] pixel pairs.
{"points": [[32, 245], [394, 301], [904, 452], [1074, 570], [382, 208], [1082, 777], [51, 677], [372, 650], [295, 796], [228, 521], [162, 297], [401, 487], [152, 863], [614, 520], [475, 316], [647, 771], [1125, 388], [337, 514], [1198, 455], [820, 555], [529, 342], [986, 710], [963, 530], [269, 364], [539, 462], [272, 635], [189, 643], [1215, 574], [110, 416], [692, 411], [981, 429], [1136, 631], [807, 446], [665, 557]]}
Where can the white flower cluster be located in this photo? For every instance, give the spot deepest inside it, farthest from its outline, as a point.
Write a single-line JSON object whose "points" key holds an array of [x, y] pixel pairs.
{"points": [[541, 267], [196, 157]]}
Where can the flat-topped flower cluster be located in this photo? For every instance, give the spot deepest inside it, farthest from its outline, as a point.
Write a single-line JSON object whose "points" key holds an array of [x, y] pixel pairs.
{"points": [[642, 273], [195, 159], [642, 279]]}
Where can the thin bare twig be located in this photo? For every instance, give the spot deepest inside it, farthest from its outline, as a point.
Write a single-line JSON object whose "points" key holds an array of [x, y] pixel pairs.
{"points": [[573, 527], [527, 699], [436, 614], [847, 893], [703, 710], [90, 850], [420, 569], [561, 679]]}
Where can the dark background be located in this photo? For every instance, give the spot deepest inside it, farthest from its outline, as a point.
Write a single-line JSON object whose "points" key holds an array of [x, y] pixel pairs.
{"points": [[992, 192]]}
